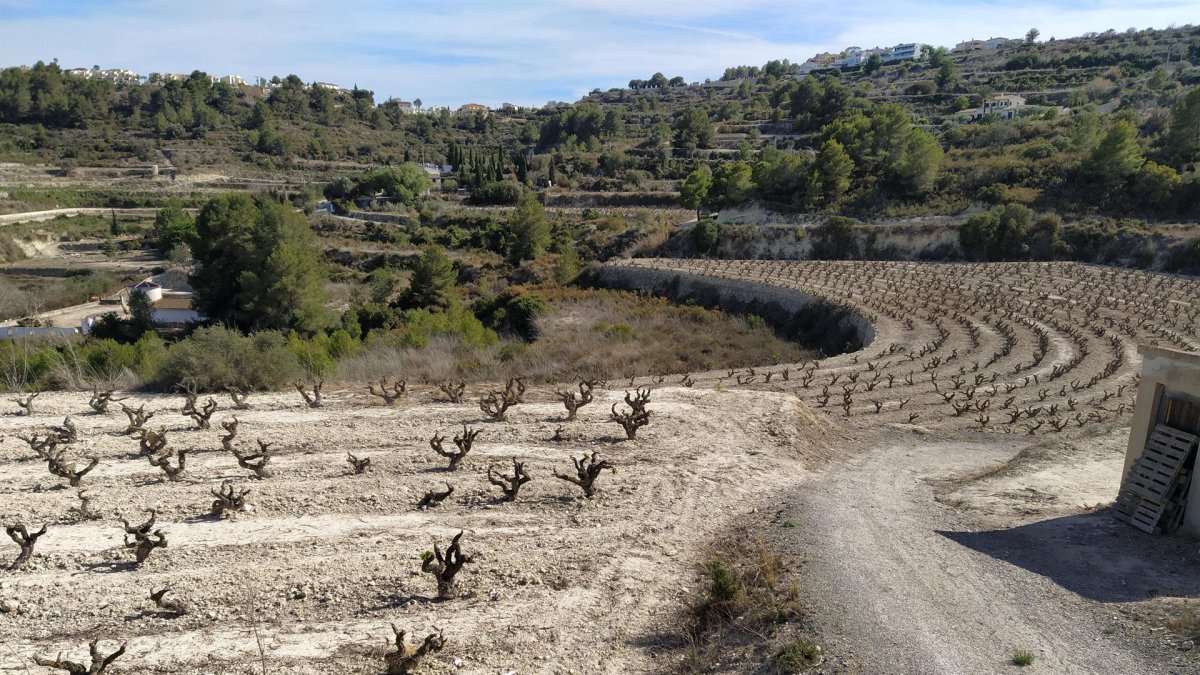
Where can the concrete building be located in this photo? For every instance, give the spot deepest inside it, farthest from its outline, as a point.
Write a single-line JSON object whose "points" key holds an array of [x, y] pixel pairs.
{"points": [[906, 51], [474, 108], [1157, 493]]}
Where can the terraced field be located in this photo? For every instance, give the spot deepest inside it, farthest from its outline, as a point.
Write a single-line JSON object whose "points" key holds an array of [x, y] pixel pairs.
{"points": [[1028, 348]]}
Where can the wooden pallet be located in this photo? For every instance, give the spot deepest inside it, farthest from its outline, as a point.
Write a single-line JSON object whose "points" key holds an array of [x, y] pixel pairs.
{"points": [[1154, 493], [1154, 473]]}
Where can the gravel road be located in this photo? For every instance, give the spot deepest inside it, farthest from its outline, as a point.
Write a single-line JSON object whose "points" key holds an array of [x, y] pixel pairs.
{"points": [[898, 582]]}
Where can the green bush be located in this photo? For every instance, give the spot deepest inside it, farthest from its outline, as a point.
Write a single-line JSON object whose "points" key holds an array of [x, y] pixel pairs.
{"points": [[418, 326], [1022, 658], [497, 193], [216, 357], [724, 585], [513, 312], [511, 351], [706, 237], [797, 655]]}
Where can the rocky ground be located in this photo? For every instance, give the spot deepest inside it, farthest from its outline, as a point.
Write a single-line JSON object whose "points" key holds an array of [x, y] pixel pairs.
{"points": [[310, 576]]}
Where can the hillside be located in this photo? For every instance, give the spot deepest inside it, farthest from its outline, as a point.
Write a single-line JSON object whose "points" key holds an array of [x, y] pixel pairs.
{"points": [[1105, 109]]}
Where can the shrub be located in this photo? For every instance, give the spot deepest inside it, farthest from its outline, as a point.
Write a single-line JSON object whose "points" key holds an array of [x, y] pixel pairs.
{"points": [[511, 351], [834, 240], [217, 357], [418, 326], [724, 585], [1022, 658], [797, 655], [497, 193], [515, 313], [706, 236]]}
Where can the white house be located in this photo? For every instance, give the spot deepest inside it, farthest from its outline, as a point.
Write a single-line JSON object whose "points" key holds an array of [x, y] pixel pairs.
{"points": [[176, 310], [906, 51], [1006, 106]]}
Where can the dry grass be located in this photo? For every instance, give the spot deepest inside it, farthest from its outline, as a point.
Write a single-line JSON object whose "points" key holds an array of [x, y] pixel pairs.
{"points": [[594, 332], [1183, 617], [749, 596]]}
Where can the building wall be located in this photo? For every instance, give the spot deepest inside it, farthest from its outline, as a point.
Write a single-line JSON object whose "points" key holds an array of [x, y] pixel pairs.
{"points": [[10, 332], [1164, 369]]}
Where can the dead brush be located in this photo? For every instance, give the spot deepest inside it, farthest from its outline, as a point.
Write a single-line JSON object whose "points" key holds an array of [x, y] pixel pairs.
{"points": [[99, 662], [406, 658], [201, 415], [444, 567], [145, 537], [1183, 617], [463, 442], [100, 400], [311, 399], [637, 416], [229, 501], [453, 389], [749, 593], [573, 402], [22, 537], [587, 470], [358, 465], [509, 485], [389, 394], [495, 404]]}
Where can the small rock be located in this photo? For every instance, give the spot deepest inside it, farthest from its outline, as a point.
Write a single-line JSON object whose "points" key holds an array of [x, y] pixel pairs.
{"points": [[9, 606], [1187, 646]]}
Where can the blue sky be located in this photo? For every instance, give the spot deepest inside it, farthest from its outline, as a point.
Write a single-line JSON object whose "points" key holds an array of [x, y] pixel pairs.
{"points": [[526, 51]]}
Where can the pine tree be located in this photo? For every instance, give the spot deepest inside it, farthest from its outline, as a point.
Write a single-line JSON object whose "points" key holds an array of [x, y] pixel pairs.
{"points": [[434, 280]]}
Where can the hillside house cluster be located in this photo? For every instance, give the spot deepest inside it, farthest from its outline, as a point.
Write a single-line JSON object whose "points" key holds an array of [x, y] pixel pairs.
{"points": [[117, 75], [856, 56], [988, 45]]}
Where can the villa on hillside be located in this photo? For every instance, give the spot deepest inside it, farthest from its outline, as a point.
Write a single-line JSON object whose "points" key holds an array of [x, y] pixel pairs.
{"points": [[474, 108], [1005, 106], [988, 45]]}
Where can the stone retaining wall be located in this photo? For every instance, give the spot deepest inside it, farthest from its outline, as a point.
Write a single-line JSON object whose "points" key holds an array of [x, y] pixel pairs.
{"points": [[834, 328]]}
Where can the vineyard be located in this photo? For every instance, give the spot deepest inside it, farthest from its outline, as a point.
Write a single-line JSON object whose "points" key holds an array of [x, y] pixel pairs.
{"points": [[502, 529], [1025, 348]]}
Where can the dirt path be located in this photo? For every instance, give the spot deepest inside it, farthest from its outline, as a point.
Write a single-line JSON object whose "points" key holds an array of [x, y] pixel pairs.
{"points": [[902, 583]]}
